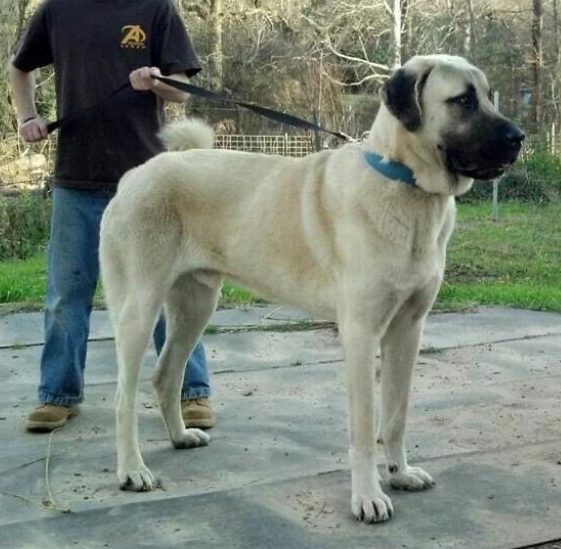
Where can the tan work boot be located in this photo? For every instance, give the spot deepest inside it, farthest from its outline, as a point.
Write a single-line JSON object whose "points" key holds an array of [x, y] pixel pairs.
{"points": [[47, 417], [197, 412]]}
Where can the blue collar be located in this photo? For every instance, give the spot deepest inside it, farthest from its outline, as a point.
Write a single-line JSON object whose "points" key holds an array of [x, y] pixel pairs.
{"points": [[391, 170]]}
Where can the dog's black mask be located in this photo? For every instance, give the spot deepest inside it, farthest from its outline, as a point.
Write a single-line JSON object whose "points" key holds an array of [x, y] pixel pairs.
{"points": [[482, 143]]}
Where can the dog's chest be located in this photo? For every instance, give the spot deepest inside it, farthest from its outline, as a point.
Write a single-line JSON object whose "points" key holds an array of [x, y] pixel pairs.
{"points": [[414, 271], [422, 256]]}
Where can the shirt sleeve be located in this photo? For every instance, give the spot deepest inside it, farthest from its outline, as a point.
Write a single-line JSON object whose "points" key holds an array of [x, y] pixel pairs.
{"points": [[34, 49], [174, 51]]}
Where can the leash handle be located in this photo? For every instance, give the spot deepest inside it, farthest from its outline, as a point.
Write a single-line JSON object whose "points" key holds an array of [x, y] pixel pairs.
{"points": [[278, 116]]}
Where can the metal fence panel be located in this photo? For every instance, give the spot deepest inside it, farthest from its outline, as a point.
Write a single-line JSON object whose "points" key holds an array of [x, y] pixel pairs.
{"points": [[286, 145], [27, 171]]}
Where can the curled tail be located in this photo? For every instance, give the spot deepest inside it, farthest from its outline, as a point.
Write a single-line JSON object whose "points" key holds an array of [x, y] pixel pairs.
{"points": [[190, 133]]}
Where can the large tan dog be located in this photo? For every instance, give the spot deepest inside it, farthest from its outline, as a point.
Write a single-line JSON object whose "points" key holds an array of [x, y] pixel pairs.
{"points": [[329, 233]]}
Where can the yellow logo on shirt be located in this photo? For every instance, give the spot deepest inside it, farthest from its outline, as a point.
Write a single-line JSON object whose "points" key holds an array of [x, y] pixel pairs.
{"points": [[133, 37]]}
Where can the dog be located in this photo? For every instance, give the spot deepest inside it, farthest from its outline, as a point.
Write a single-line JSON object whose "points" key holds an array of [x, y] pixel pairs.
{"points": [[356, 235]]}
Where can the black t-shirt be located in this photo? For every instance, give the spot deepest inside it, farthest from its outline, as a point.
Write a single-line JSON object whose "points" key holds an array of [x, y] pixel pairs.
{"points": [[94, 45]]}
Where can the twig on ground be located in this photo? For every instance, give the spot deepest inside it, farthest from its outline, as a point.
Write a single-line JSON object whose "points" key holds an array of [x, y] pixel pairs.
{"points": [[271, 313], [51, 502]]}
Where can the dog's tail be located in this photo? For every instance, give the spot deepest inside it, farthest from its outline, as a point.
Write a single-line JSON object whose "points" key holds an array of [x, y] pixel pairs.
{"points": [[190, 133]]}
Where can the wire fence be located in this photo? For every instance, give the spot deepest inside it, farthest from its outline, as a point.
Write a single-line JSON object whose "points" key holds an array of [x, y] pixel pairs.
{"points": [[28, 168], [286, 145]]}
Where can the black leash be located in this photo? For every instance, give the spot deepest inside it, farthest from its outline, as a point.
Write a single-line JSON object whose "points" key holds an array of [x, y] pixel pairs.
{"points": [[282, 117], [52, 126], [278, 116]]}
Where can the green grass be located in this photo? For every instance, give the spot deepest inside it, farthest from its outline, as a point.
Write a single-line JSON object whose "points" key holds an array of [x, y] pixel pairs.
{"points": [[515, 263], [23, 284]]}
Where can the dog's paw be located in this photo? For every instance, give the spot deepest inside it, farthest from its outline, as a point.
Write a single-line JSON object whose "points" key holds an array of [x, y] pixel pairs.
{"points": [[410, 478], [191, 438], [139, 479], [372, 508]]}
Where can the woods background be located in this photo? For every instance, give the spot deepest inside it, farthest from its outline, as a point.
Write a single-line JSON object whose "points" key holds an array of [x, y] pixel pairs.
{"points": [[327, 58]]}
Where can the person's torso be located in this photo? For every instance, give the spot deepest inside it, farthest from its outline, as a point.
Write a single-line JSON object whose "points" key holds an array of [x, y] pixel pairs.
{"points": [[95, 46]]}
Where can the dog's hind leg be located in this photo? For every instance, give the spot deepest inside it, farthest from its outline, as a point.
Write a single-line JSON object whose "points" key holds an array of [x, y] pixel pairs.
{"points": [[189, 305], [400, 347], [133, 327], [132, 317]]}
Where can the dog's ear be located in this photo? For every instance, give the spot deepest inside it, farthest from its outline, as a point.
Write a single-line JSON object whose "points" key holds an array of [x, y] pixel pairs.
{"points": [[402, 96]]}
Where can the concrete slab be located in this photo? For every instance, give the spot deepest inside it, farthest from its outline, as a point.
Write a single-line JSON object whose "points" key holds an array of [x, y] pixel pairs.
{"points": [[27, 328], [442, 331], [485, 421], [479, 503]]}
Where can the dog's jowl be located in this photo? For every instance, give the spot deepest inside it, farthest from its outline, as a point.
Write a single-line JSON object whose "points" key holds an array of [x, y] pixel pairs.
{"points": [[357, 235]]}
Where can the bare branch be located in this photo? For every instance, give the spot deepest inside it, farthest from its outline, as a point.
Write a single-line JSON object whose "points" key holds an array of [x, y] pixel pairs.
{"points": [[379, 66], [376, 77]]}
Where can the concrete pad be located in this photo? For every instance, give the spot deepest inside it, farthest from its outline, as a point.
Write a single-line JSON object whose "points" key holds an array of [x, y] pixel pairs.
{"points": [[445, 331], [442, 331], [479, 503], [27, 328], [485, 421]]}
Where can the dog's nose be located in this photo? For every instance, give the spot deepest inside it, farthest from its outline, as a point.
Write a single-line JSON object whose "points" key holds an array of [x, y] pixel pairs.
{"points": [[514, 136]]}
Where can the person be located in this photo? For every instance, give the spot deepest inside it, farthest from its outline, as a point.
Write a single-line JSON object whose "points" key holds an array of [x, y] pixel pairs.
{"points": [[95, 46]]}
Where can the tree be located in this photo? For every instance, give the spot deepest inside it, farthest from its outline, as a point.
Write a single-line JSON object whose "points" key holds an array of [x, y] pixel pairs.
{"points": [[397, 11], [211, 13], [536, 62], [331, 56]]}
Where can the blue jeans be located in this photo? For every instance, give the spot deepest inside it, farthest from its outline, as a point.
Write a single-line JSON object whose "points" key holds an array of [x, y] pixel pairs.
{"points": [[73, 272]]}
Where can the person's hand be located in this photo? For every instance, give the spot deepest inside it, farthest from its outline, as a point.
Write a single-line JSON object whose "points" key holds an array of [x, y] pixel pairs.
{"points": [[141, 79], [33, 130]]}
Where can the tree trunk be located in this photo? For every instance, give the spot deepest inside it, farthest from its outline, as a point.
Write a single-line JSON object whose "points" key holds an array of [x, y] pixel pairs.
{"points": [[395, 14], [210, 11], [405, 30], [215, 65], [469, 32], [22, 8], [556, 79], [557, 33], [536, 61]]}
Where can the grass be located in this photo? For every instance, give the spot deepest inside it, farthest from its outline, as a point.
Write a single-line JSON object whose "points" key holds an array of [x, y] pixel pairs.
{"points": [[514, 263], [23, 284]]}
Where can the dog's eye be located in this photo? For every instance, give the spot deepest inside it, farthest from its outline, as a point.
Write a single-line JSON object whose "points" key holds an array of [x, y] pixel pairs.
{"points": [[461, 99], [466, 100]]}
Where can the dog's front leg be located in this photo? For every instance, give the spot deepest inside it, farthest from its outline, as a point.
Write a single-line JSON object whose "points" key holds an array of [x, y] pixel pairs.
{"points": [[400, 348], [360, 334]]}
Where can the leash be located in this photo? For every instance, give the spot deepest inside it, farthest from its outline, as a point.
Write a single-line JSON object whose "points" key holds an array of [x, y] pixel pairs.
{"points": [[52, 126], [278, 116]]}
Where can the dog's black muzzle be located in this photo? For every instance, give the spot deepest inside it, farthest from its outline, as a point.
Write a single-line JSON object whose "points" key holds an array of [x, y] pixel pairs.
{"points": [[500, 143]]}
